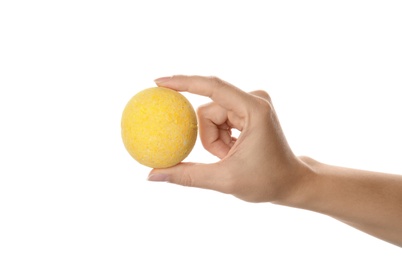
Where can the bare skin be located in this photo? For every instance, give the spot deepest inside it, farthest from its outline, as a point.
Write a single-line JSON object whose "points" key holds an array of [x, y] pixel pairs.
{"points": [[260, 166]]}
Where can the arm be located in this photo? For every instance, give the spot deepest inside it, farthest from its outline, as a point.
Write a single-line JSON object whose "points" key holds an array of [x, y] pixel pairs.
{"points": [[368, 201], [260, 167]]}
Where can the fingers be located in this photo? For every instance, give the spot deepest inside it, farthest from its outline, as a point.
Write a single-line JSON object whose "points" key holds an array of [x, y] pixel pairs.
{"points": [[223, 93], [215, 133], [206, 176], [215, 128]]}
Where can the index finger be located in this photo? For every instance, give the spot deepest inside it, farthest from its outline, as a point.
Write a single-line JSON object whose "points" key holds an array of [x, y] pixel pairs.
{"points": [[222, 92]]}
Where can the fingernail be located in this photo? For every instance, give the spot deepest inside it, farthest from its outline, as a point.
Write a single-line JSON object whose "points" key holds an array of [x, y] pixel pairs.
{"points": [[161, 80], [158, 177]]}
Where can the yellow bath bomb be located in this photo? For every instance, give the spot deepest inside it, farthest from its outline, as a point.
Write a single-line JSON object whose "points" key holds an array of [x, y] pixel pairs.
{"points": [[159, 127]]}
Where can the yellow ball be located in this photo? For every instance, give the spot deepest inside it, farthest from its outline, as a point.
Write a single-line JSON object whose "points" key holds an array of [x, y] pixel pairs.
{"points": [[159, 127]]}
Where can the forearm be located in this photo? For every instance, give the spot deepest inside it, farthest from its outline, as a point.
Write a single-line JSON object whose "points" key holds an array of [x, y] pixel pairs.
{"points": [[369, 201]]}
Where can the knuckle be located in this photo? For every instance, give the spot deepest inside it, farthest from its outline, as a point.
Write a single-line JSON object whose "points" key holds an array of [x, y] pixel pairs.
{"points": [[217, 83], [202, 110], [262, 94], [185, 178], [215, 80], [263, 107]]}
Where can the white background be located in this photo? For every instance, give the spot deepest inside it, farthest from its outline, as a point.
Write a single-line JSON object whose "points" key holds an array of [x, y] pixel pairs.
{"points": [[68, 188]]}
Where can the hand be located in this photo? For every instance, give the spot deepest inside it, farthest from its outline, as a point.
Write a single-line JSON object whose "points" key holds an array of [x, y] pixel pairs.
{"points": [[257, 167], [260, 167]]}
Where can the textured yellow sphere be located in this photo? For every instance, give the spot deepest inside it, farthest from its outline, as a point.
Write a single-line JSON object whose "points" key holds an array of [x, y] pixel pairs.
{"points": [[159, 127]]}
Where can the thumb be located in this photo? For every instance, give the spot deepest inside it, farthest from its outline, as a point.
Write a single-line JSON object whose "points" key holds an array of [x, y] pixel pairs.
{"points": [[206, 176]]}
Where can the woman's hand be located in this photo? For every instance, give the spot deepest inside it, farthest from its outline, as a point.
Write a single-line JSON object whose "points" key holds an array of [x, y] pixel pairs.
{"points": [[259, 166]]}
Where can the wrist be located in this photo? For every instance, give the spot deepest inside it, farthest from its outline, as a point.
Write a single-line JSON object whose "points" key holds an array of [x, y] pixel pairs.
{"points": [[304, 186]]}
